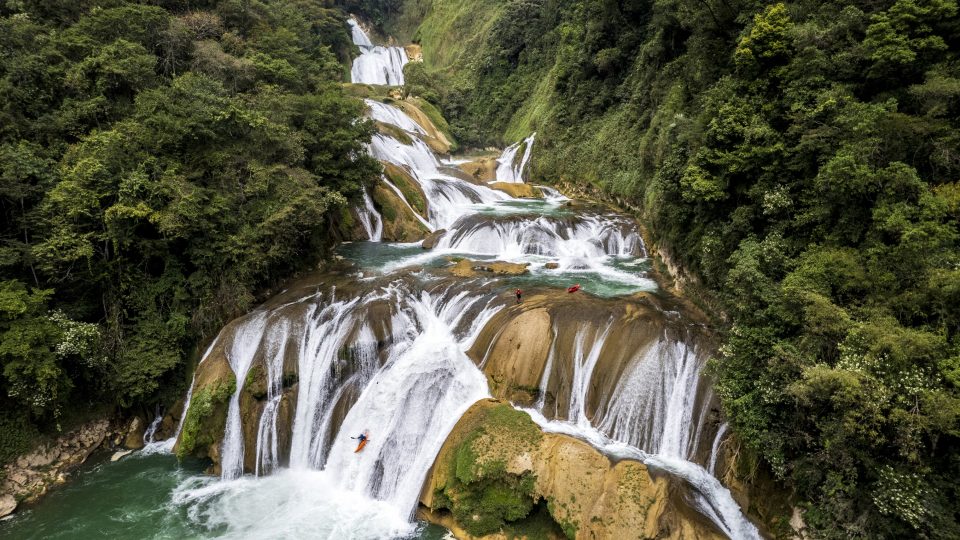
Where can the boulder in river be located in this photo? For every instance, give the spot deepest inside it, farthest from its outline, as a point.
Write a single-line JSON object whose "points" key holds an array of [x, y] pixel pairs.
{"points": [[134, 437], [482, 169], [7, 504], [468, 268], [431, 240], [518, 190]]}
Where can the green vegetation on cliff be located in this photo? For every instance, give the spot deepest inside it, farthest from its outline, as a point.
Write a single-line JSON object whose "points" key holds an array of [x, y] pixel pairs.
{"points": [[801, 160], [206, 417], [160, 163]]}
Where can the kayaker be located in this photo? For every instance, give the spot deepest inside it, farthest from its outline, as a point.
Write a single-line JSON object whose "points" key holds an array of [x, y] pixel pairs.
{"points": [[361, 438]]}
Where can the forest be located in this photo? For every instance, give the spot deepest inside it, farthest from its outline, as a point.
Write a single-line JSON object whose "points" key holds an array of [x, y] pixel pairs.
{"points": [[800, 160], [165, 164], [162, 166]]}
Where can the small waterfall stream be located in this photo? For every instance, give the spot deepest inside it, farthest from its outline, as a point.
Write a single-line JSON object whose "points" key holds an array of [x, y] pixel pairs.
{"points": [[509, 169], [240, 355]]}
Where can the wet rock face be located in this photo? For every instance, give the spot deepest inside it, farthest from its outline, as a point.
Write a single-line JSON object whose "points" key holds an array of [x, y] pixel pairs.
{"points": [[431, 240], [134, 437], [496, 468], [481, 170], [7, 504], [516, 358], [206, 415]]}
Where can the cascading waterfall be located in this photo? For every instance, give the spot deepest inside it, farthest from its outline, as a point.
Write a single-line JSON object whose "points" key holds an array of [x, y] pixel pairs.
{"points": [[403, 199], [573, 241], [388, 114], [508, 168], [449, 197], [149, 435], [267, 458], [416, 399], [407, 374], [376, 64], [657, 408]]}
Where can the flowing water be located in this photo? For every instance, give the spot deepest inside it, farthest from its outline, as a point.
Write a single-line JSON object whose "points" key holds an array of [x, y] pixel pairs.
{"points": [[386, 348], [509, 167], [376, 64]]}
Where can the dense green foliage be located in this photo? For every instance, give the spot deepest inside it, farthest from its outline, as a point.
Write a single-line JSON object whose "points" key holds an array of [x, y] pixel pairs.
{"points": [[801, 159], [160, 164]]}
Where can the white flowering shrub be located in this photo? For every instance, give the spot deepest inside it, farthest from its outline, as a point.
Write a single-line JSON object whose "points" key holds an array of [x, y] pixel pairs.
{"points": [[78, 339], [901, 494]]}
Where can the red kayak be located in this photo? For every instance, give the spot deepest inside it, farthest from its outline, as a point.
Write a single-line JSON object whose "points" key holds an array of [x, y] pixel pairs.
{"points": [[573, 289]]}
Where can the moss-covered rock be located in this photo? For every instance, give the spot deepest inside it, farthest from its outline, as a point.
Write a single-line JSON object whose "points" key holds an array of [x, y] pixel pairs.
{"points": [[410, 188], [438, 136], [395, 132], [399, 222], [518, 190], [206, 417], [497, 473], [479, 476]]}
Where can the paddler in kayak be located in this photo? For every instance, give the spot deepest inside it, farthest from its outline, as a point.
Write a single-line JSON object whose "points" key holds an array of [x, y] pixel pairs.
{"points": [[363, 441], [574, 289]]}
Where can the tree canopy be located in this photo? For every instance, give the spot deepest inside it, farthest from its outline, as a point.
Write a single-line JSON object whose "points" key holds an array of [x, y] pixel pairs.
{"points": [[161, 164]]}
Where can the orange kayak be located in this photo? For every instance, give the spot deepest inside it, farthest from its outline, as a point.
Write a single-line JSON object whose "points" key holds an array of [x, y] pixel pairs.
{"points": [[361, 445]]}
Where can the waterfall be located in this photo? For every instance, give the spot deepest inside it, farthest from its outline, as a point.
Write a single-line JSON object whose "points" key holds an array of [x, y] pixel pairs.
{"points": [[662, 402], [388, 114], [376, 65], [551, 194], [246, 343], [449, 197], [151, 431], [403, 199], [370, 219], [715, 448], [508, 169], [574, 242], [584, 361], [326, 332], [707, 494], [267, 458], [415, 400], [387, 354], [547, 370]]}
